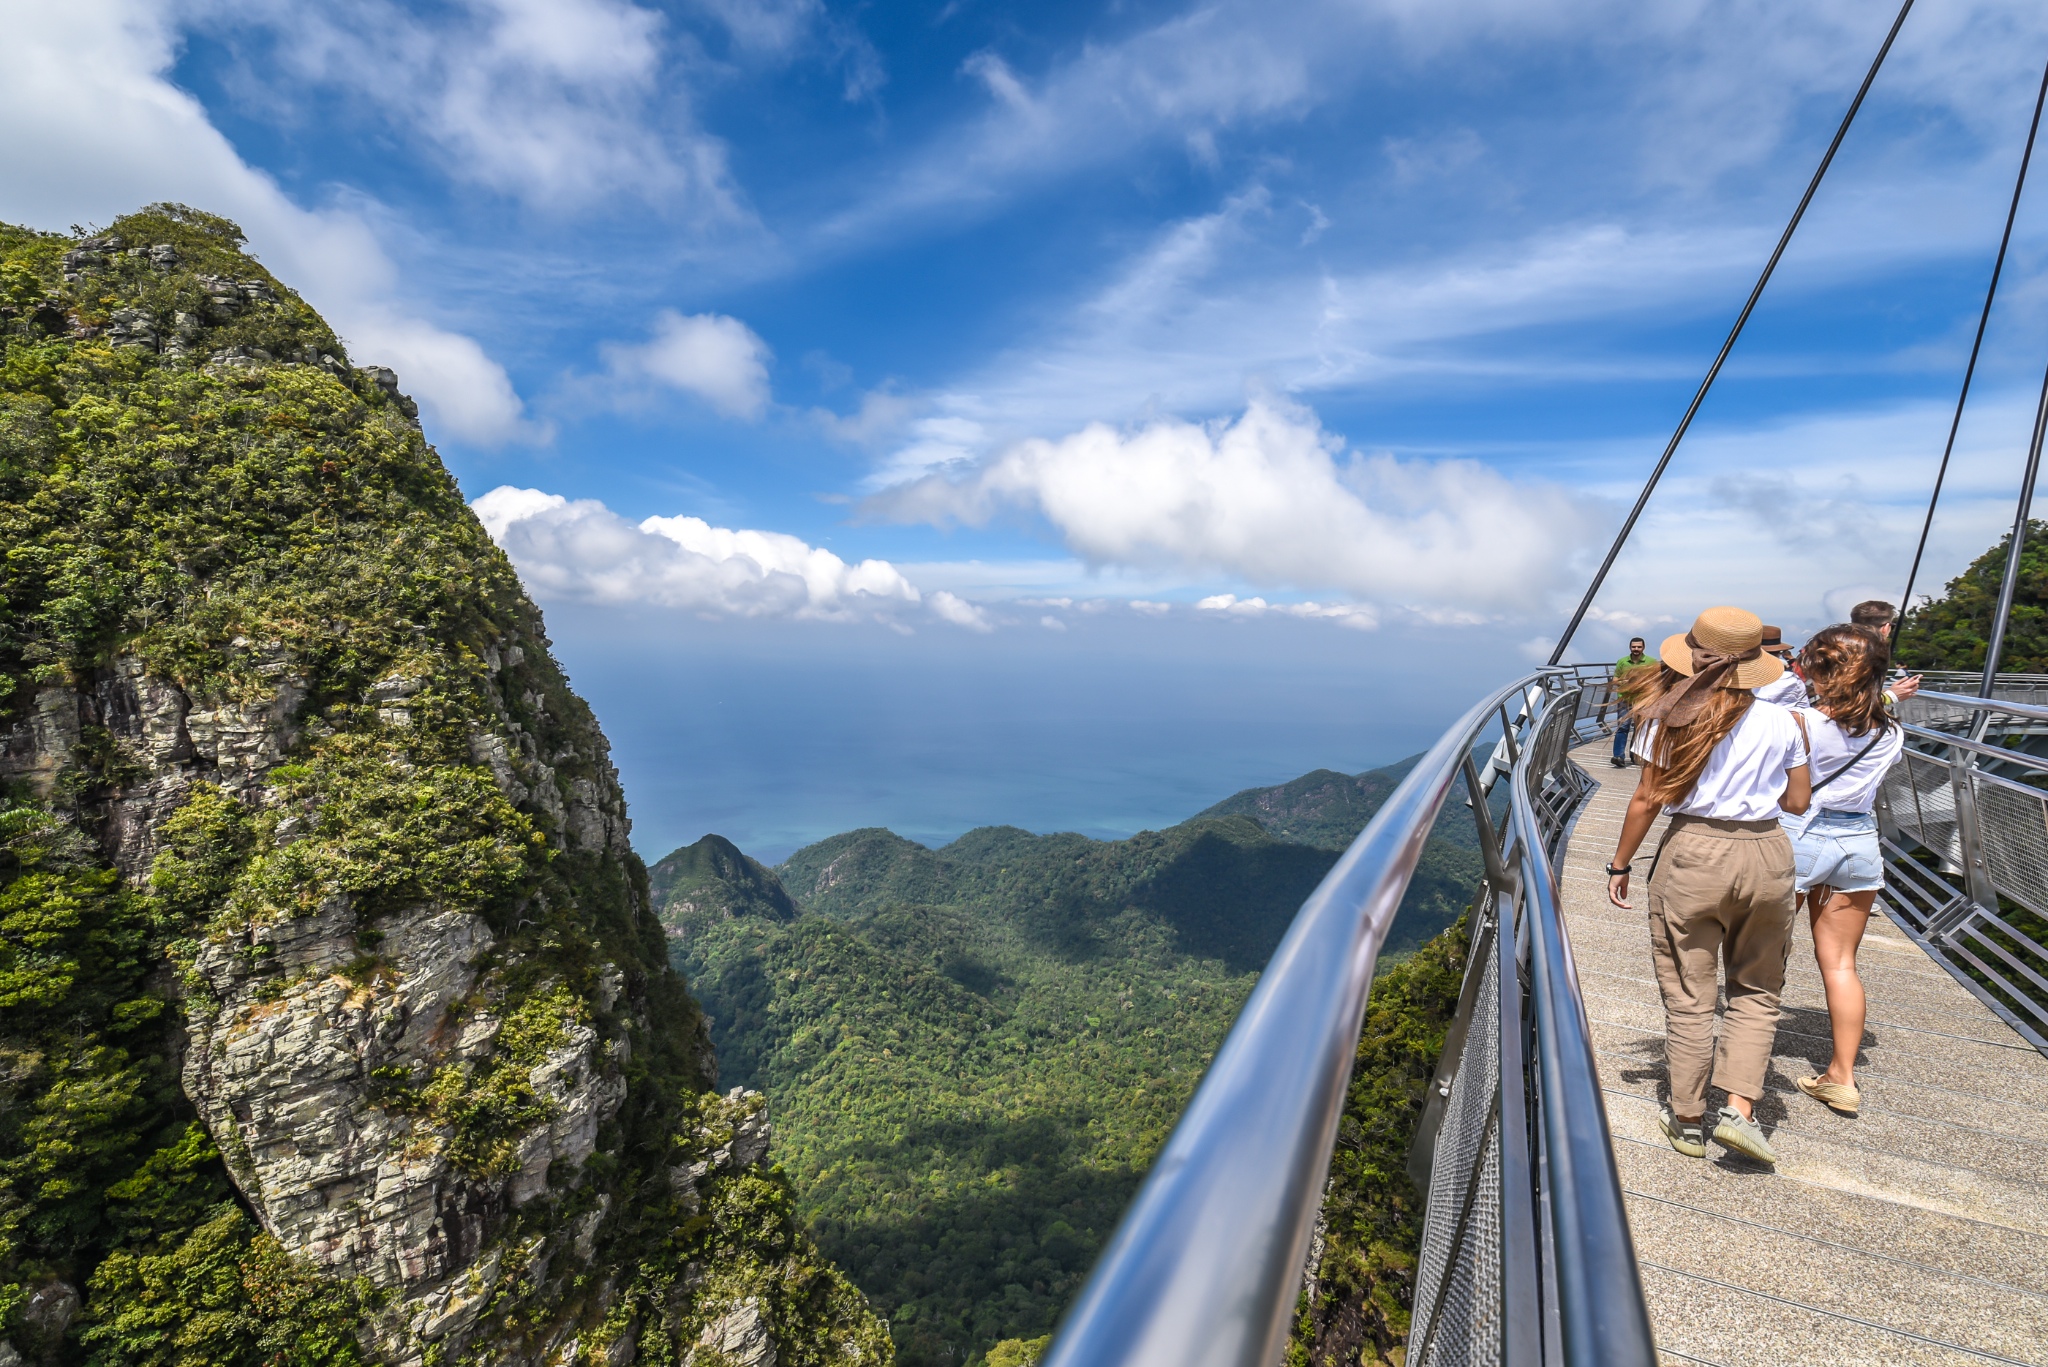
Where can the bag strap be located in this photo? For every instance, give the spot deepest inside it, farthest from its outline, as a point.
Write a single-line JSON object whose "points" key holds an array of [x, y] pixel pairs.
{"points": [[1855, 760]]}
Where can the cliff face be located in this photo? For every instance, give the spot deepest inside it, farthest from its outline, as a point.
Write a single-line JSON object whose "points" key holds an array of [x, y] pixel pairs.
{"points": [[334, 1022]]}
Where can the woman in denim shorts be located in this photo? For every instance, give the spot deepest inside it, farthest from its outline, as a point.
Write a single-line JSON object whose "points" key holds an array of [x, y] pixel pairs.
{"points": [[1840, 869]]}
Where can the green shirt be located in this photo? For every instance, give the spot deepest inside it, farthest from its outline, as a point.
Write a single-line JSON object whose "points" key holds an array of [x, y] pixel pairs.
{"points": [[1625, 664]]}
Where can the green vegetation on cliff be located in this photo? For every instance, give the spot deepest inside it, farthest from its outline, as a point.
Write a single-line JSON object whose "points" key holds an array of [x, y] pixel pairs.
{"points": [[264, 676], [974, 1052], [1954, 630], [1372, 1214]]}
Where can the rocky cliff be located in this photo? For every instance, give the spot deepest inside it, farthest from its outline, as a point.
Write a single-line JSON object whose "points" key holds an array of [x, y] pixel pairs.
{"points": [[334, 1023]]}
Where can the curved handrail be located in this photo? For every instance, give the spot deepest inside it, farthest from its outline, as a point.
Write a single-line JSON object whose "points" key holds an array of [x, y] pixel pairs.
{"points": [[1205, 1266], [1603, 1320]]}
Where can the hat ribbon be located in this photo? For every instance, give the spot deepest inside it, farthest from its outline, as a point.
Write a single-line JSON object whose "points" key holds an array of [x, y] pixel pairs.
{"points": [[1686, 700]]}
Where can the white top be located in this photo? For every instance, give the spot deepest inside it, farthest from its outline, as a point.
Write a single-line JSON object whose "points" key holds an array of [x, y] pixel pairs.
{"points": [[1833, 748], [1789, 690], [1745, 775]]}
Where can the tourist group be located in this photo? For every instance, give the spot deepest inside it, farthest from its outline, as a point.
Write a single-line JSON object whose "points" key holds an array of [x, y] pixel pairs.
{"points": [[1768, 766]]}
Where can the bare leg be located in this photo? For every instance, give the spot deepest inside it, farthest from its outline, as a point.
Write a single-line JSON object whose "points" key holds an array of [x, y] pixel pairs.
{"points": [[1838, 920]]}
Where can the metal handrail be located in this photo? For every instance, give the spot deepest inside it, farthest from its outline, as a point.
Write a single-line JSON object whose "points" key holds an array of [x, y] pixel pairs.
{"points": [[1961, 841], [2001, 707], [1206, 1265], [1602, 1317]]}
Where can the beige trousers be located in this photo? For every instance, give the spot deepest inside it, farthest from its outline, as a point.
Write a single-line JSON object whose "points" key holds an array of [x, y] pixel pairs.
{"points": [[1720, 889]]}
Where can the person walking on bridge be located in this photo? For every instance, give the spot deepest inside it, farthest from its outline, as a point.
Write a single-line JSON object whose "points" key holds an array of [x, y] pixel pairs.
{"points": [[1840, 868], [1724, 765], [1636, 658], [1789, 689]]}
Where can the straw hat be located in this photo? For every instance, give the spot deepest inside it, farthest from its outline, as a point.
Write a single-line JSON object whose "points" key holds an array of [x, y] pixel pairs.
{"points": [[1774, 641], [1725, 631]]}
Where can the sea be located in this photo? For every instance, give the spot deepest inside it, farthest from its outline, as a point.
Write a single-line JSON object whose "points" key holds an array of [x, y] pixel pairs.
{"points": [[776, 735]]}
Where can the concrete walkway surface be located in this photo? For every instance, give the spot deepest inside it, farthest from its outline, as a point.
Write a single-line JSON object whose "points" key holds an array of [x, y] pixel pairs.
{"points": [[1916, 1233]]}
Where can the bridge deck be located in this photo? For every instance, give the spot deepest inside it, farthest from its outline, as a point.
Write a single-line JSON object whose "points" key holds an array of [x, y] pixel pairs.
{"points": [[1917, 1233]]}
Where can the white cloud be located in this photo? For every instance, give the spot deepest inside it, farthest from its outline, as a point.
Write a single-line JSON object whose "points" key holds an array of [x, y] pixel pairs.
{"points": [[559, 103], [952, 608], [719, 359], [1150, 609], [95, 128], [581, 551], [1265, 499], [1343, 614]]}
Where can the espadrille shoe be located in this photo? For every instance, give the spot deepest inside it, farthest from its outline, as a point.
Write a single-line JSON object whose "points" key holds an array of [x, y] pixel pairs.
{"points": [[1835, 1096]]}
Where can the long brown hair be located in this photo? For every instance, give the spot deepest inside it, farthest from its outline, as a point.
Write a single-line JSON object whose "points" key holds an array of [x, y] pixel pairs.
{"points": [[1681, 752], [1845, 666]]}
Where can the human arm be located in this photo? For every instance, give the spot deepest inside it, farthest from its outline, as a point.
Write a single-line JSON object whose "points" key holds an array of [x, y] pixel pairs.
{"points": [[1641, 815], [1798, 794]]}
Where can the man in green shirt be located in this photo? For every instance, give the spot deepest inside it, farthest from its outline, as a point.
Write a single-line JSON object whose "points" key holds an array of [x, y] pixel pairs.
{"points": [[1638, 656]]}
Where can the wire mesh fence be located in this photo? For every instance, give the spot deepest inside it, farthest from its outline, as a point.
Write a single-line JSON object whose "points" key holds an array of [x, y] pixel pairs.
{"points": [[1491, 1177], [1966, 826], [1458, 1294]]}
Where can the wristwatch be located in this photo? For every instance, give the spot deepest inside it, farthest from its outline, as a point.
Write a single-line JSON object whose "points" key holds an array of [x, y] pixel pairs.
{"points": [[1622, 872]]}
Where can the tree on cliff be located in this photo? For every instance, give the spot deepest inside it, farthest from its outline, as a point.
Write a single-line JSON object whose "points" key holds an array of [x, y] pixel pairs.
{"points": [[1954, 630]]}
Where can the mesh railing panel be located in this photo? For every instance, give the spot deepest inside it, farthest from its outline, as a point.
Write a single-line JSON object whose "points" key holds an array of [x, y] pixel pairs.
{"points": [[1921, 795], [2014, 821], [1457, 1311]]}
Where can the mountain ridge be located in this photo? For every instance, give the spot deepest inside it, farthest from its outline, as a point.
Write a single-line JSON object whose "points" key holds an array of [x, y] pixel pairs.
{"points": [[976, 1049]]}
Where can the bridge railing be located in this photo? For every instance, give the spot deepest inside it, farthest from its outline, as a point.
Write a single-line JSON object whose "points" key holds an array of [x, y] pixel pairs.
{"points": [[1964, 817], [1526, 1255]]}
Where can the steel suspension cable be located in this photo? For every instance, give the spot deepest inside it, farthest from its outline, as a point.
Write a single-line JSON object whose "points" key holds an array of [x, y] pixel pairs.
{"points": [[1970, 370], [2009, 582], [1742, 320]]}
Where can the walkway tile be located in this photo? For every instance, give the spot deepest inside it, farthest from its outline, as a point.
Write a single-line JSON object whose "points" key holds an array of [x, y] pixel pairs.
{"points": [[1914, 1234]]}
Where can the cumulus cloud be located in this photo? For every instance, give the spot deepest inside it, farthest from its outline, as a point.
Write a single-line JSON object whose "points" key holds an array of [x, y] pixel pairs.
{"points": [[96, 128], [581, 551], [719, 359], [578, 550], [950, 607], [1271, 498], [1343, 614]]}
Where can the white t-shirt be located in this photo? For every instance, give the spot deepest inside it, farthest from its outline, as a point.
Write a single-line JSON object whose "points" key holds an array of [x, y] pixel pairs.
{"points": [[1833, 748], [1788, 690], [1745, 774]]}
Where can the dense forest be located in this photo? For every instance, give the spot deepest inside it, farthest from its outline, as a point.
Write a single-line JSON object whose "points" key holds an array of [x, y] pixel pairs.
{"points": [[1954, 630], [973, 1052]]}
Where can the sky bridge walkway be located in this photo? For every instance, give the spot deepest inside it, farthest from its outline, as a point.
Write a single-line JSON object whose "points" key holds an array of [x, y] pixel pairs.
{"points": [[1917, 1233]]}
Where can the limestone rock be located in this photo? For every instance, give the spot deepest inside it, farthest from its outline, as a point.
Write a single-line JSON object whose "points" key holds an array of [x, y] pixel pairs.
{"points": [[49, 1309], [132, 328], [385, 380], [739, 1336]]}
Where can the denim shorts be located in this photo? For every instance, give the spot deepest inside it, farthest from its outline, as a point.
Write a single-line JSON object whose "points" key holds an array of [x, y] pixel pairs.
{"points": [[1838, 850]]}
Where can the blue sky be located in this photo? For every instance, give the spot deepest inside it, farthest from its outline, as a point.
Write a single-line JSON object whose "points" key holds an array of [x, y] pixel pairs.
{"points": [[1286, 362]]}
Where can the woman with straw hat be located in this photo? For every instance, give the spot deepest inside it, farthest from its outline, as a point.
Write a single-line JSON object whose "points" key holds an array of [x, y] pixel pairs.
{"points": [[1723, 764]]}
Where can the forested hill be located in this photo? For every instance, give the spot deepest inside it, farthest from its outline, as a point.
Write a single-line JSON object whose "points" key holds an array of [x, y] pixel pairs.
{"points": [[335, 1022], [1322, 808], [973, 1052]]}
